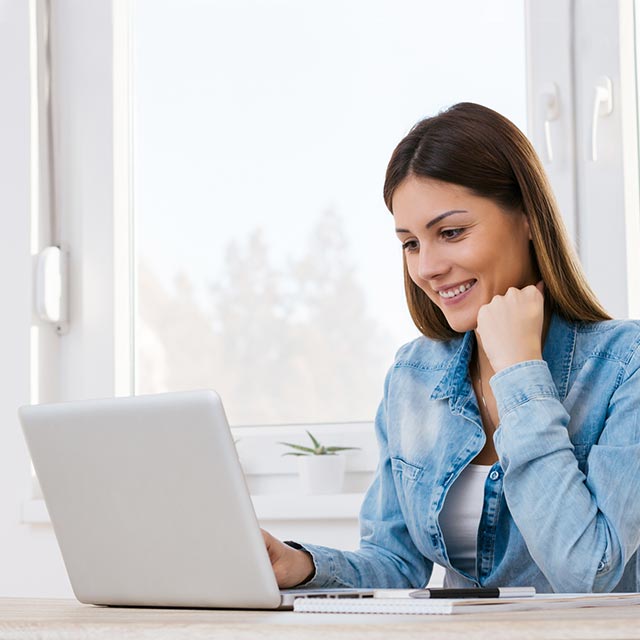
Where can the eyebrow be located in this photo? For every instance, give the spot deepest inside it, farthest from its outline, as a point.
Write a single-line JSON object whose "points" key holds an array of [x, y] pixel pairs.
{"points": [[436, 219]]}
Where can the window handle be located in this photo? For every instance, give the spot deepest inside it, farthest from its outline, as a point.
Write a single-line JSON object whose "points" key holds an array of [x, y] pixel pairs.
{"points": [[550, 112], [51, 298], [602, 106]]}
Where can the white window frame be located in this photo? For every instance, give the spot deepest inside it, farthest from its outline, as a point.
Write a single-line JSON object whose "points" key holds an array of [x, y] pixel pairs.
{"points": [[27, 557], [90, 54], [568, 50]]}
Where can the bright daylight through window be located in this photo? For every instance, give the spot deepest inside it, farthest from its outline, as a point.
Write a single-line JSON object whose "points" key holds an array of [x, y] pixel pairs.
{"points": [[267, 265]]}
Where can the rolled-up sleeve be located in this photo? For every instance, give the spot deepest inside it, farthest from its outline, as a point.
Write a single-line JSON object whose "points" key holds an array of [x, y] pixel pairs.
{"points": [[579, 528]]}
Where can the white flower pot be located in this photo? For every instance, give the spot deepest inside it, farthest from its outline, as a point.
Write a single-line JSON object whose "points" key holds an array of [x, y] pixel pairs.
{"points": [[321, 474]]}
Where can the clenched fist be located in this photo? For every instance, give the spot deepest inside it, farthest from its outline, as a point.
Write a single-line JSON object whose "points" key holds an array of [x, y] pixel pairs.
{"points": [[510, 326]]}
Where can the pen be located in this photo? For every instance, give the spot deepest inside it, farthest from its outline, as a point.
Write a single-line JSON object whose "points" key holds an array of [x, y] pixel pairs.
{"points": [[498, 592]]}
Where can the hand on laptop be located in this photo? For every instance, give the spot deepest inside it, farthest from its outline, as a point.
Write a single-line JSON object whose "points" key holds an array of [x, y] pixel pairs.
{"points": [[290, 566]]}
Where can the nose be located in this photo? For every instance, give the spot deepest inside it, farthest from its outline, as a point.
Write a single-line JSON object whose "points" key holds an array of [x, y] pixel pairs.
{"points": [[431, 263]]}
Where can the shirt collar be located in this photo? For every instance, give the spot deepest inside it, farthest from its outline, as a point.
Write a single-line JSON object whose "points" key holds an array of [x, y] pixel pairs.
{"points": [[455, 377], [557, 353]]}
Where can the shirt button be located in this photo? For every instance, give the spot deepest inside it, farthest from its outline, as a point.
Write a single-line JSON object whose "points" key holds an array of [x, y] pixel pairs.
{"points": [[600, 565], [494, 475]]}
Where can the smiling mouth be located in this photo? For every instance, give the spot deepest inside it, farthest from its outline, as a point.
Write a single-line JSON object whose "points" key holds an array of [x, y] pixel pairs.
{"points": [[456, 291]]}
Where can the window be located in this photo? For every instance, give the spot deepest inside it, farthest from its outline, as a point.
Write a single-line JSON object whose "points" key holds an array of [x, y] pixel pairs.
{"points": [[267, 266], [582, 92]]}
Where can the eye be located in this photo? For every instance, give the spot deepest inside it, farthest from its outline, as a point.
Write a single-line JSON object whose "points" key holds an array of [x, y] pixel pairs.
{"points": [[410, 246], [450, 234]]}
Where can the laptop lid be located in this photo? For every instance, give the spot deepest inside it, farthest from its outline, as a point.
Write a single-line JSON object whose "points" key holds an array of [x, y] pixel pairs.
{"points": [[148, 502]]}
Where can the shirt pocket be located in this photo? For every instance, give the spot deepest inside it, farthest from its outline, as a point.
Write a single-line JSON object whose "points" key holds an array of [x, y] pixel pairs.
{"points": [[411, 493], [406, 476]]}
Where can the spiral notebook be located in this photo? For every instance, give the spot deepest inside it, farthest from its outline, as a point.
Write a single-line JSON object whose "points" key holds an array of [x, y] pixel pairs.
{"points": [[404, 605]]}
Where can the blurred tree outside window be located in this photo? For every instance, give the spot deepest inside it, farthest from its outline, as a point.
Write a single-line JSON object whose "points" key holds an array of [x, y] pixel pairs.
{"points": [[267, 266]]}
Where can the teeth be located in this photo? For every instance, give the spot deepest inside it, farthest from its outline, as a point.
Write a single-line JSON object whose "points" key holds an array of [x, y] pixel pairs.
{"points": [[452, 293]]}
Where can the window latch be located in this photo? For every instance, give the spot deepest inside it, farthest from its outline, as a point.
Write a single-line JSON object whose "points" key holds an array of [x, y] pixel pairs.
{"points": [[550, 103], [602, 106], [51, 288]]}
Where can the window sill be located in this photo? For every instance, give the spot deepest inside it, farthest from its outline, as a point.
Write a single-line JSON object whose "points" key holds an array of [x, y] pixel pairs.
{"points": [[294, 506]]}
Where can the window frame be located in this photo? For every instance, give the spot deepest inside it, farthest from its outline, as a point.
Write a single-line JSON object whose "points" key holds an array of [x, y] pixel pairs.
{"points": [[561, 51]]}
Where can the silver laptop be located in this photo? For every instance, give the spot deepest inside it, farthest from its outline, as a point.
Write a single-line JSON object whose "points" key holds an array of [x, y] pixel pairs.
{"points": [[149, 503]]}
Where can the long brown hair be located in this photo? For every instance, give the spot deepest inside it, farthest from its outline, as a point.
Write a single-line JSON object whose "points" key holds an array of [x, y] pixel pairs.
{"points": [[475, 147]]}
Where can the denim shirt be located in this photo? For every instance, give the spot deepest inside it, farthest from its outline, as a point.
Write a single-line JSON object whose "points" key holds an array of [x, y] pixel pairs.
{"points": [[561, 506]]}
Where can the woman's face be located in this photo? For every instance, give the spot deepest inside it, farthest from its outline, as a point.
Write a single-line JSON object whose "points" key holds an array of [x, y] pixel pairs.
{"points": [[460, 249]]}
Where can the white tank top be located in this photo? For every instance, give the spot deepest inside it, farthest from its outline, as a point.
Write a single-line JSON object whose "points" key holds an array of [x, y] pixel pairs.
{"points": [[460, 516]]}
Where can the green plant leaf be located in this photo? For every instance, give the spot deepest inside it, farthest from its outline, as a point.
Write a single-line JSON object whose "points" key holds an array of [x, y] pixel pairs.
{"points": [[318, 450], [298, 447], [316, 444]]}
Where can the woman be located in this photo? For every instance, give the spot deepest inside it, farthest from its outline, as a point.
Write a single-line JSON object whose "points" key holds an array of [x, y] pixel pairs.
{"points": [[509, 432]]}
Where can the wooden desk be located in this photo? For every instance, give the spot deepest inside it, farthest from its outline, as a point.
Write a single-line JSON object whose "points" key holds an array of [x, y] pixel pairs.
{"points": [[67, 619]]}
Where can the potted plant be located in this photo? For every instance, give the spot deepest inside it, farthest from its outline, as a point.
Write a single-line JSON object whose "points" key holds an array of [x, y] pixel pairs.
{"points": [[321, 468]]}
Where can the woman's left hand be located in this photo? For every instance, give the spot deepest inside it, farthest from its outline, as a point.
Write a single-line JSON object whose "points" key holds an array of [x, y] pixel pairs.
{"points": [[510, 326]]}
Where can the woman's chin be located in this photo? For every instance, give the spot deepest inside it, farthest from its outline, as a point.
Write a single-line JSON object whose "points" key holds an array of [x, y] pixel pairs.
{"points": [[462, 324]]}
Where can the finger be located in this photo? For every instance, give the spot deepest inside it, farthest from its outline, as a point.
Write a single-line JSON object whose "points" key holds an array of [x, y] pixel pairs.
{"points": [[540, 286]]}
